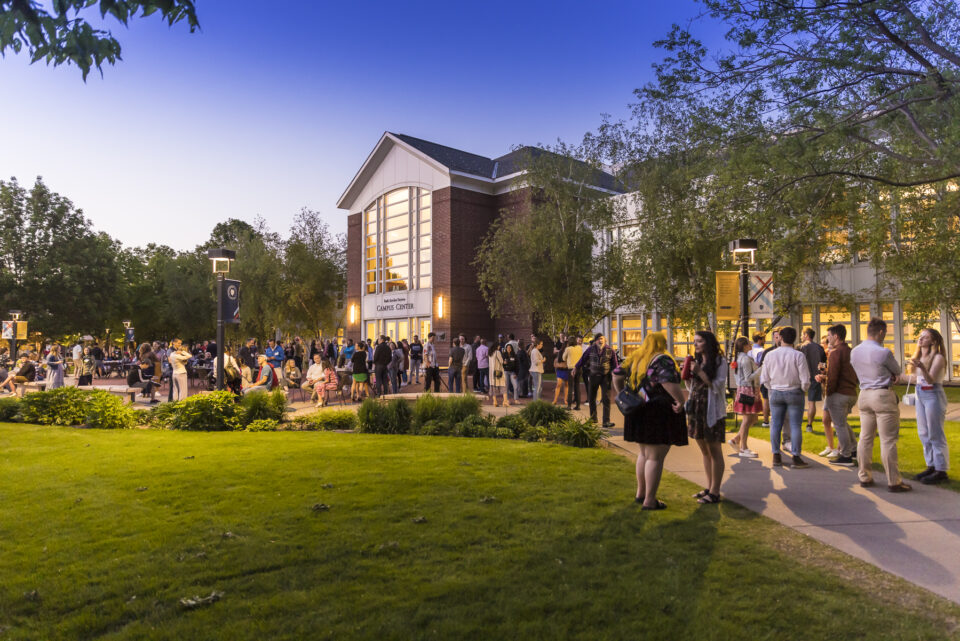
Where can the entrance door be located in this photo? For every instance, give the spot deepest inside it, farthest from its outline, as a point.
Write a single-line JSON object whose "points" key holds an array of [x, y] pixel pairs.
{"points": [[425, 328]]}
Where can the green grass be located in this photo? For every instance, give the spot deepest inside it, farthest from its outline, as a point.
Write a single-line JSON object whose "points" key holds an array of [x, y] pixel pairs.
{"points": [[424, 538], [909, 450], [952, 392]]}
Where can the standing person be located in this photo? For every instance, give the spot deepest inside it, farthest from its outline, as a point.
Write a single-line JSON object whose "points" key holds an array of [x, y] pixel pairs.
{"points": [[77, 358], [300, 354], [511, 366], [497, 376], [831, 451], [248, 354], [405, 346], [707, 410], [775, 343], [416, 358], [563, 374], [475, 367], [349, 350], [536, 369], [572, 355], [55, 368], [878, 370], [431, 366], [361, 374], [88, 365], [179, 385], [98, 357], [395, 367], [841, 388], [929, 365], [523, 370], [482, 377], [597, 363], [275, 355], [815, 356], [660, 422], [382, 357], [455, 368], [468, 360], [786, 375], [748, 385]]}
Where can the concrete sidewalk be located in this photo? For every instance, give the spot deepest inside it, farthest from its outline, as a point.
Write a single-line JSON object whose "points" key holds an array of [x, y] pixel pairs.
{"points": [[915, 535]]}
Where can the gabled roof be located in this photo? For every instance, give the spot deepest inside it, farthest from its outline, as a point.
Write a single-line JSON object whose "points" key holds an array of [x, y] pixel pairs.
{"points": [[462, 162]]}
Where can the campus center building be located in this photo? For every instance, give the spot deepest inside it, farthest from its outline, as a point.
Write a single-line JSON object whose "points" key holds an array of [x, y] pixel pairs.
{"points": [[417, 213]]}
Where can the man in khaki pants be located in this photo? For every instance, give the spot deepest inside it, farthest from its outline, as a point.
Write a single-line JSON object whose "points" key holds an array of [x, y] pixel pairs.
{"points": [[878, 370]]}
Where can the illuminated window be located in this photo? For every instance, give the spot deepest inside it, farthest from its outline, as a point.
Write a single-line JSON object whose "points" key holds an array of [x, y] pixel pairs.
{"points": [[683, 342], [831, 315], [397, 247], [911, 329]]}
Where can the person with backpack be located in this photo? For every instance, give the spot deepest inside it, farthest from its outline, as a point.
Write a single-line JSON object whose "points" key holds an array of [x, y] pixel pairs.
{"points": [[597, 363], [266, 377]]}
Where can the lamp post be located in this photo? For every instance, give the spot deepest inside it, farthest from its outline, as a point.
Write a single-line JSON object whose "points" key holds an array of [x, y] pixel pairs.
{"points": [[220, 259], [126, 332], [743, 250], [15, 316]]}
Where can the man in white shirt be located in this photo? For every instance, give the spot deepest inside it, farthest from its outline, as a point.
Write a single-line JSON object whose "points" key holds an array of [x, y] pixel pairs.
{"points": [[430, 364], [786, 376], [77, 358], [314, 376], [878, 370]]}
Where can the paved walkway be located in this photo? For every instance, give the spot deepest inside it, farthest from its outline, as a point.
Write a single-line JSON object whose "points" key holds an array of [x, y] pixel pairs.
{"points": [[915, 535]]}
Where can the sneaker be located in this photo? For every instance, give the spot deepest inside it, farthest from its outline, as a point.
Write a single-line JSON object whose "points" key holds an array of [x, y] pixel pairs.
{"points": [[777, 462], [786, 446], [933, 479], [734, 444], [799, 462], [846, 461], [827, 452], [927, 472], [764, 424], [748, 454], [899, 487]]}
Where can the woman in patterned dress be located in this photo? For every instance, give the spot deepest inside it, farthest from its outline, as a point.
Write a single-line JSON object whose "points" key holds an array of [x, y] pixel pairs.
{"points": [[707, 410]]}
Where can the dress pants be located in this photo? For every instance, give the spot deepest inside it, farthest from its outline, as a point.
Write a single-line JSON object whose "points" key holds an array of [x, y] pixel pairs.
{"points": [[839, 406], [573, 391], [599, 382], [381, 385], [879, 414]]}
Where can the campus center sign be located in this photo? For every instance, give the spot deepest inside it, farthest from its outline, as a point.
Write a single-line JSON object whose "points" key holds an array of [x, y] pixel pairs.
{"points": [[398, 304]]}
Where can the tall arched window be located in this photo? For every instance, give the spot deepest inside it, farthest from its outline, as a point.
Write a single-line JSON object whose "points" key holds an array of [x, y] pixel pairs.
{"points": [[397, 228]]}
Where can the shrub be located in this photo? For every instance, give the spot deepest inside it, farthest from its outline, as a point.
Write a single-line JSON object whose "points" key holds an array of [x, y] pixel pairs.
{"points": [[377, 417], [472, 426], [459, 408], [427, 408], [72, 406], [503, 432], [216, 411], [162, 415], [263, 425], [106, 411], [535, 433], [263, 405], [542, 413], [576, 433], [436, 427], [327, 420], [9, 408], [514, 423]]}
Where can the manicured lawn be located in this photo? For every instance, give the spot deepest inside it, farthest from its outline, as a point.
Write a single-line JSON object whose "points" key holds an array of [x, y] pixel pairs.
{"points": [[101, 534], [909, 450]]}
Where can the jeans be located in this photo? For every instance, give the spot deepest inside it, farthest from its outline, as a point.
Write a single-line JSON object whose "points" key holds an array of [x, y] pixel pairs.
{"points": [[537, 378], [415, 370], [601, 382], [381, 386], [394, 380], [513, 384], [431, 374], [453, 379], [789, 404], [482, 379], [839, 406], [931, 410], [573, 391]]}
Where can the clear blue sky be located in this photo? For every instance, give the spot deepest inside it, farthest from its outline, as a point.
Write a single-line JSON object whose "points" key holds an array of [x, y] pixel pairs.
{"points": [[273, 106]]}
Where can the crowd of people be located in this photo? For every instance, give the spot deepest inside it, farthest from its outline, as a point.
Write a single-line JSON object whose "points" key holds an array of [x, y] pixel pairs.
{"points": [[688, 401]]}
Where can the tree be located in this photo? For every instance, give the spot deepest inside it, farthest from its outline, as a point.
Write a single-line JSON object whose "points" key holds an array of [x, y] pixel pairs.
{"points": [[63, 35], [546, 261]]}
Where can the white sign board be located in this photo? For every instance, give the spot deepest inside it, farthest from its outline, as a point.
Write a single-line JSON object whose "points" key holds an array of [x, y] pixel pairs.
{"points": [[761, 294], [402, 304]]}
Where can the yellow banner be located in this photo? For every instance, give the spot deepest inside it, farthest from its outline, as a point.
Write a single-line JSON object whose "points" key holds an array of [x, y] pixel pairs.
{"points": [[21, 330], [728, 295]]}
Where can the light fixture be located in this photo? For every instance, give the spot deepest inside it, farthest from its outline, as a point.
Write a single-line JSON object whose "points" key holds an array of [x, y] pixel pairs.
{"points": [[353, 314], [440, 306], [743, 250], [15, 314], [126, 324], [221, 259]]}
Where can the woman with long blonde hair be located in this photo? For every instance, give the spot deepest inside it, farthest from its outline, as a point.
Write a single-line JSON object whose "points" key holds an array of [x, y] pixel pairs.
{"points": [[929, 365], [660, 422]]}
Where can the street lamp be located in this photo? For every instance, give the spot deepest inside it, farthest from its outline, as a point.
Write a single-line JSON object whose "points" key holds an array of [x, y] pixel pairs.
{"points": [[743, 253], [220, 261], [15, 316], [126, 334]]}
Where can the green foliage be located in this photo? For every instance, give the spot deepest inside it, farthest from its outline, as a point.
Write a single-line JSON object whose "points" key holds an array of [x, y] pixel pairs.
{"points": [[535, 433], [503, 432], [576, 433], [514, 423], [428, 408], [263, 425], [73, 406], [473, 426], [459, 408], [328, 420], [9, 408], [542, 413], [436, 427], [378, 417], [216, 411], [58, 34], [263, 405]]}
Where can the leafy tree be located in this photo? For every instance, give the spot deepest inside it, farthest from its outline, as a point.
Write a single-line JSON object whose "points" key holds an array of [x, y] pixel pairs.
{"points": [[59, 32], [548, 261]]}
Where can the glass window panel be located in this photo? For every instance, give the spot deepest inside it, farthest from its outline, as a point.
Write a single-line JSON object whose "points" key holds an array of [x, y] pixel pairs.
{"points": [[632, 336], [403, 220], [398, 209], [401, 247], [398, 195], [403, 330], [396, 285], [425, 241], [395, 273], [425, 282], [424, 255], [398, 234], [371, 329], [425, 198], [425, 214], [425, 270], [372, 288], [372, 227], [629, 349], [371, 276], [372, 264], [425, 228], [371, 252], [395, 261], [632, 322], [371, 215]]}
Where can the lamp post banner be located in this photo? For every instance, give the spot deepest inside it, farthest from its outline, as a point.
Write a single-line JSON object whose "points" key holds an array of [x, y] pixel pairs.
{"points": [[728, 295], [129, 335], [761, 294], [7, 330], [230, 310]]}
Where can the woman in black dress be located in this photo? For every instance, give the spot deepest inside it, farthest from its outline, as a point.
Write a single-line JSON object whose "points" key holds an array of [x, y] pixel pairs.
{"points": [[660, 422]]}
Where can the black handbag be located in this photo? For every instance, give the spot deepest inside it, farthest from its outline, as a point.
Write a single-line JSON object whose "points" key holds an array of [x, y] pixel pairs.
{"points": [[629, 401], [746, 400]]}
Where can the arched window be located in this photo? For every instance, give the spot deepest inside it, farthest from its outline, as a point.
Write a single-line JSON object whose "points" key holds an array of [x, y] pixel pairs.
{"points": [[397, 251]]}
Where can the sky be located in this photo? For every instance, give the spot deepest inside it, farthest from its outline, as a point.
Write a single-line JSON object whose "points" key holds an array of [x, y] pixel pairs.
{"points": [[274, 106]]}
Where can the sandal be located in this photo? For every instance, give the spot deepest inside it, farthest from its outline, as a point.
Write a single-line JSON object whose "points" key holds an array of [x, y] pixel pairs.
{"points": [[709, 499], [702, 493], [659, 506]]}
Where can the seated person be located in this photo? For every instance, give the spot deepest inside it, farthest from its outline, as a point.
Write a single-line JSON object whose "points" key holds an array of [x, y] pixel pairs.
{"points": [[27, 371], [291, 374], [330, 382], [314, 376], [264, 379], [6, 380], [141, 377]]}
